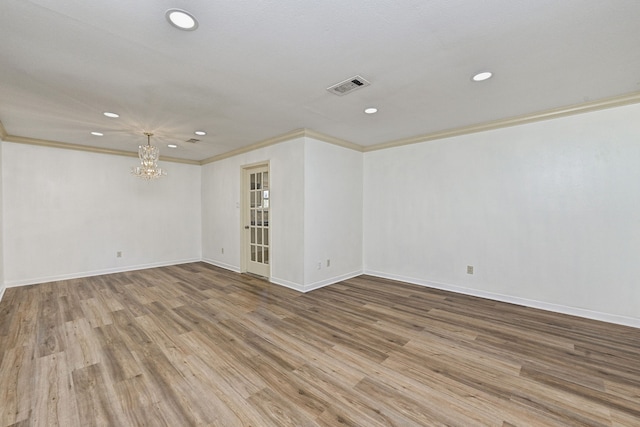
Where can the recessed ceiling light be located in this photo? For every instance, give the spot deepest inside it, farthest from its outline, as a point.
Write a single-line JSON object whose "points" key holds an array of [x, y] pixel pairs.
{"points": [[482, 76], [111, 115], [172, 146], [200, 132], [97, 133], [181, 19], [371, 110]]}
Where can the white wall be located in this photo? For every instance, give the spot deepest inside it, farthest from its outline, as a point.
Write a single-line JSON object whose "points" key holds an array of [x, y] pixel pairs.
{"points": [[547, 213], [316, 212], [2, 286], [67, 213], [221, 210], [332, 213]]}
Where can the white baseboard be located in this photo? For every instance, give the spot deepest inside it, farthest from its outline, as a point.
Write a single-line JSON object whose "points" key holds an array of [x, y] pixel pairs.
{"points": [[557, 308], [331, 281], [4, 288], [274, 280], [230, 267], [287, 284], [317, 285], [79, 275], [589, 314]]}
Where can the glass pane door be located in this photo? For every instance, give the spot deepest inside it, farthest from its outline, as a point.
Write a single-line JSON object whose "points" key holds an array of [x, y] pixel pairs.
{"points": [[257, 193]]}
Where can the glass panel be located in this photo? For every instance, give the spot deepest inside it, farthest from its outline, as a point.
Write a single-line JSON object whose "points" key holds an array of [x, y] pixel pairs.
{"points": [[258, 204]]}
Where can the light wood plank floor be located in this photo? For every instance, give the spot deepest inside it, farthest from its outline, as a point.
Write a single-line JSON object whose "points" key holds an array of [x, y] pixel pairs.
{"points": [[197, 345]]}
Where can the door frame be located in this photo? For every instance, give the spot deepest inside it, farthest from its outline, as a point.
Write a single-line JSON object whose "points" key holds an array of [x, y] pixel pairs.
{"points": [[244, 214]]}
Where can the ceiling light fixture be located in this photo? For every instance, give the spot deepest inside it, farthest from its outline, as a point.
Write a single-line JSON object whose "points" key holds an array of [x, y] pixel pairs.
{"points": [[97, 133], [149, 155], [200, 132], [172, 146], [371, 110], [181, 19], [485, 75], [111, 115]]}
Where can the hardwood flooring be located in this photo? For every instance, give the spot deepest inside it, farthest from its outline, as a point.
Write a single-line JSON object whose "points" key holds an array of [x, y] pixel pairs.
{"points": [[197, 345]]}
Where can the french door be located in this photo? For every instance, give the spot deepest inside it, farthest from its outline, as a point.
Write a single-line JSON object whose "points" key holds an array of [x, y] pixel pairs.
{"points": [[256, 204]]}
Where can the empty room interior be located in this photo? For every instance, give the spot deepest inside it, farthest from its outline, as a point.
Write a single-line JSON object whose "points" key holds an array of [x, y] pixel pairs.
{"points": [[335, 213]]}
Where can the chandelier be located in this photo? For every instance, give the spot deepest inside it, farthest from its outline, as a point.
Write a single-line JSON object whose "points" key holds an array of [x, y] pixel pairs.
{"points": [[148, 168]]}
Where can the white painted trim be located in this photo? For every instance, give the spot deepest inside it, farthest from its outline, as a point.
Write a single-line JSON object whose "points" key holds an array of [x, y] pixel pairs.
{"points": [[80, 275], [556, 308], [568, 110], [332, 140], [287, 284], [215, 263], [275, 281], [600, 104], [3, 132], [261, 144], [331, 281], [87, 148], [4, 288]]}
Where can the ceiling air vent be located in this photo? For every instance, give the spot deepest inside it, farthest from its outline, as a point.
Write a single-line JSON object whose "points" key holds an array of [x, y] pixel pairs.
{"points": [[348, 86], [192, 140]]}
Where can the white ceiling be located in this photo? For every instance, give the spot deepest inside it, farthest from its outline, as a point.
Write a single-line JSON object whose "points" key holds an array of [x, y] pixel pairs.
{"points": [[257, 69]]}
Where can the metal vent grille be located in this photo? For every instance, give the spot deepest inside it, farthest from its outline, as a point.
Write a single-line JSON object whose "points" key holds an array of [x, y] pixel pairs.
{"points": [[192, 140], [348, 86]]}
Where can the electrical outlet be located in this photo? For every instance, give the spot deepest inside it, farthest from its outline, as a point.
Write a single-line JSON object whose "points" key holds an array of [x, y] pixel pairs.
{"points": [[119, 254], [328, 263], [469, 269], [319, 265]]}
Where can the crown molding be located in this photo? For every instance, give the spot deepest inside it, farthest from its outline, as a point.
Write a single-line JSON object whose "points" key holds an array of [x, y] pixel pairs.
{"points": [[601, 104], [3, 132], [298, 133], [177, 160], [66, 145], [332, 140], [78, 147], [611, 102]]}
